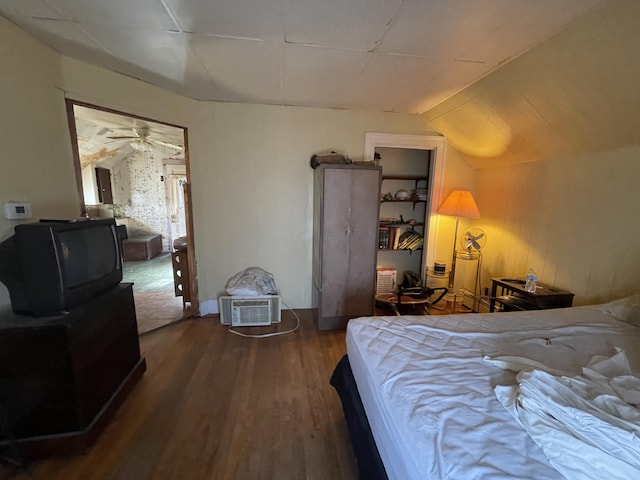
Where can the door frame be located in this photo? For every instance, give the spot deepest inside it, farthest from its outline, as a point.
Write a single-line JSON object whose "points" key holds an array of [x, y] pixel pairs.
{"points": [[437, 146], [194, 307]]}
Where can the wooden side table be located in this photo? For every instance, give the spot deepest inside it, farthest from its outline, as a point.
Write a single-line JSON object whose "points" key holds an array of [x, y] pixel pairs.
{"points": [[512, 295]]}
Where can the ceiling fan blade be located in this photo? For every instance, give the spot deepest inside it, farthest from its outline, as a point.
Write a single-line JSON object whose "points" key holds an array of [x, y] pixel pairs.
{"points": [[170, 145], [129, 137]]}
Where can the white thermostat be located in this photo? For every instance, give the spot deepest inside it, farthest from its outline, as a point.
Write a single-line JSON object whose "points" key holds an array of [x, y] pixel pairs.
{"points": [[17, 210]]}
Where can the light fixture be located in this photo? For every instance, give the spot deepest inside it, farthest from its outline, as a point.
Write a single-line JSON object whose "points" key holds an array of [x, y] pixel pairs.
{"points": [[141, 146], [459, 203]]}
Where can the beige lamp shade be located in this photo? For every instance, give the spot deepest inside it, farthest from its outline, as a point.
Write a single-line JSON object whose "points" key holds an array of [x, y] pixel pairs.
{"points": [[460, 203]]}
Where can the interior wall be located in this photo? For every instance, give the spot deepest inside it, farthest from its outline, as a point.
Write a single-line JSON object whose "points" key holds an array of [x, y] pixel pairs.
{"points": [[254, 207], [36, 162], [249, 166], [553, 135], [36, 150], [458, 175], [139, 193], [573, 220]]}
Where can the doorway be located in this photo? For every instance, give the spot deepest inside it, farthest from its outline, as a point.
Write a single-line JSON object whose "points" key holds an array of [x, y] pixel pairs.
{"points": [[431, 156], [136, 171]]}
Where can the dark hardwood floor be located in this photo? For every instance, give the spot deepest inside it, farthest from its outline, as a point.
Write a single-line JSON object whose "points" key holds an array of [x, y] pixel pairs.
{"points": [[213, 405]]}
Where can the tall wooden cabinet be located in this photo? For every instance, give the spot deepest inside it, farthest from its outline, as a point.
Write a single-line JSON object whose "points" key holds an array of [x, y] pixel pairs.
{"points": [[345, 242]]}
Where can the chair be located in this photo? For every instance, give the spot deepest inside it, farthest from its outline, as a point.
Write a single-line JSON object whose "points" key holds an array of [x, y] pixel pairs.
{"points": [[411, 296]]}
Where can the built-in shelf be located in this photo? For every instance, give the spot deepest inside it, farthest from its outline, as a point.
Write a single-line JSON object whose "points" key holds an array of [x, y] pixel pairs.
{"points": [[408, 200], [408, 225], [406, 178]]}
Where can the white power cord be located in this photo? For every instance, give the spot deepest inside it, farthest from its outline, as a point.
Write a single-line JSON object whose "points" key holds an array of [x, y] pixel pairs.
{"points": [[272, 334]]}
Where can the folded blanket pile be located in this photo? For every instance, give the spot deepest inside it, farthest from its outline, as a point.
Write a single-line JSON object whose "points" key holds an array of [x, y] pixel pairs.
{"points": [[587, 425]]}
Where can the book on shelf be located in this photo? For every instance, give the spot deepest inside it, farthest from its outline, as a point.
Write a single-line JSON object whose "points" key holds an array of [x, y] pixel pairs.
{"points": [[383, 237], [393, 237], [398, 238], [410, 240], [416, 243]]}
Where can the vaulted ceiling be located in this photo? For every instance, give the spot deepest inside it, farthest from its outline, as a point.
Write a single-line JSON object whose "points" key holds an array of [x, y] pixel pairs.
{"points": [[572, 96], [380, 55]]}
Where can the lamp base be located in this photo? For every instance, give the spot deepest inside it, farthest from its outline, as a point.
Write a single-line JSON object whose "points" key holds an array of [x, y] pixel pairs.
{"points": [[452, 302]]}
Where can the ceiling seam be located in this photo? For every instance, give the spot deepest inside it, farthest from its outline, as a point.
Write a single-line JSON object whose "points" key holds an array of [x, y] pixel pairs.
{"points": [[172, 16], [390, 22]]}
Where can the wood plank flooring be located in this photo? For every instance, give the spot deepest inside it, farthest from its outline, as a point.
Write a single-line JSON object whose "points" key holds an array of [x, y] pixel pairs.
{"points": [[213, 405], [157, 309]]}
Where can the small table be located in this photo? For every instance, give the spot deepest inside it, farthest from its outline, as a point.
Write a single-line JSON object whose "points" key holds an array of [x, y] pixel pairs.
{"points": [[141, 247], [513, 295], [394, 300]]}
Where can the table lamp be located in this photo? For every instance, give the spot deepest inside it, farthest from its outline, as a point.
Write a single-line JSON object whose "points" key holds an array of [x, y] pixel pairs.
{"points": [[459, 203]]}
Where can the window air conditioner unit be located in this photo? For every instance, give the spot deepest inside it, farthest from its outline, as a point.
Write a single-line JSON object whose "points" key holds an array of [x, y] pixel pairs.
{"points": [[249, 311]]}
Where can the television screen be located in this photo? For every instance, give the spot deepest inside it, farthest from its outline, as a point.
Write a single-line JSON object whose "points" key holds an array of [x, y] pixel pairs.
{"points": [[52, 266], [78, 249]]}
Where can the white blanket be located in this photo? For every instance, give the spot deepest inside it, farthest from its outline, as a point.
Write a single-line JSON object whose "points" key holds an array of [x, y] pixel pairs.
{"points": [[429, 395], [588, 425]]}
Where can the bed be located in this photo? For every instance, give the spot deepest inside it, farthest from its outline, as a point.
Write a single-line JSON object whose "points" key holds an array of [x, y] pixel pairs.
{"points": [[484, 395]]}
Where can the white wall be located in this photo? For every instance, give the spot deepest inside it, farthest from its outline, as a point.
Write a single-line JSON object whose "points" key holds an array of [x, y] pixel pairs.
{"points": [[36, 164], [574, 220], [140, 194], [253, 185], [35, 159]]}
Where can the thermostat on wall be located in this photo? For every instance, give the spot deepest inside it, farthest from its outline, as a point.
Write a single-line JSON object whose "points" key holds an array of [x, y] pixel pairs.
{"points": [[17, 210]]}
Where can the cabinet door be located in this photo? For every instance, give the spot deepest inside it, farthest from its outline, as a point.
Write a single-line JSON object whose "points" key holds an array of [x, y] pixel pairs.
{"points": [[363, 242], [336, 231]]}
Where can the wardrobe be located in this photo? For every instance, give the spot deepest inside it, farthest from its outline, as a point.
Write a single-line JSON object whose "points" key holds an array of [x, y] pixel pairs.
{"points": [[345, 242]]}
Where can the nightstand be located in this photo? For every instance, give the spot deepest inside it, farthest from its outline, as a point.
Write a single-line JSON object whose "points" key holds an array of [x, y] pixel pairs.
{"points": [[510, 293]]}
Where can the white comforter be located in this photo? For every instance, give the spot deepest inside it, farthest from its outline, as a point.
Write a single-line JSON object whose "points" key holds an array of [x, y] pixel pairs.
{"points": [[428, 390], [587, 425]]}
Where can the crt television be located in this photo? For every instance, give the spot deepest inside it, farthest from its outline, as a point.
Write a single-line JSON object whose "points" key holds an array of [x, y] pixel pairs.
{"points": [[53, 265]]}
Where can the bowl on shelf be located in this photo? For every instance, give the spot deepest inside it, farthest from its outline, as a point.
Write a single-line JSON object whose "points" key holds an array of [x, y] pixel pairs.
{"points": [[402, 195]]}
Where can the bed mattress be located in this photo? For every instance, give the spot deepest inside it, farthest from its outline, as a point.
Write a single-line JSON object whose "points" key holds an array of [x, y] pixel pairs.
{"points": [[427, 384]]}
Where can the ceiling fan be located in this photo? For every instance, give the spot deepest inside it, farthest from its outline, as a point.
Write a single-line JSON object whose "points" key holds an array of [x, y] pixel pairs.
{"points": [[142, 141]]}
